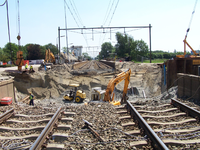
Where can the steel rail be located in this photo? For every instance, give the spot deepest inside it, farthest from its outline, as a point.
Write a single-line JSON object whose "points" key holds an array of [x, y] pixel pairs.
{"points": [[189, 110], [39, 142], [6, 115], [155, 141]]}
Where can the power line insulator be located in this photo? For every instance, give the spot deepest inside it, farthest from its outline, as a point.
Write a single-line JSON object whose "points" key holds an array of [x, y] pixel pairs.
{"points": [[18, 37]]}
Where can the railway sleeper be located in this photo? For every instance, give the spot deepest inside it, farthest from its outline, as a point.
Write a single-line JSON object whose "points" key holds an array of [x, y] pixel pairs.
{"points": [[37, 128]]}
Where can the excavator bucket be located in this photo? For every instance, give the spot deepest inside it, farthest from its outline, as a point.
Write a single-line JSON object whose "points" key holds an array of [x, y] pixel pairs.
{"points": [[115, 103]]}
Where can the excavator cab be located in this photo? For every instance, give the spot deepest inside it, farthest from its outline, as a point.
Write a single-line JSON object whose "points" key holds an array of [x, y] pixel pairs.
{"points": [[74, 94]]}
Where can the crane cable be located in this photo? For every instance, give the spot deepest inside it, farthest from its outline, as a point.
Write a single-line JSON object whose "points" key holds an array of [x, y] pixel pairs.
{"points": [[191, 18]]}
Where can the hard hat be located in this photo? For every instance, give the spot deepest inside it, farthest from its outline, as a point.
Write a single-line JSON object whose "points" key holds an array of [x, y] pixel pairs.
{"points": [[29, 92]]}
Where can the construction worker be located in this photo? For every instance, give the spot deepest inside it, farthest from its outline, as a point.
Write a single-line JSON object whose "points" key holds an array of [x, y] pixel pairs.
{"points": [[31, 68], [26, 66], [31, 99]]}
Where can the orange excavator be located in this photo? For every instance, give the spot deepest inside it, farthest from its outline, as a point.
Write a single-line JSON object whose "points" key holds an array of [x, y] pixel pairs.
{"points": [[109, 95]]}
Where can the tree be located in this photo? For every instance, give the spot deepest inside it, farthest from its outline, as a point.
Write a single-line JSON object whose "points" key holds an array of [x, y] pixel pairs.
{"points": [[125, 45], [106, 49], [34, 52], [52, 47], [10, 50], [86, 56], [3, 57], [141, 48]]}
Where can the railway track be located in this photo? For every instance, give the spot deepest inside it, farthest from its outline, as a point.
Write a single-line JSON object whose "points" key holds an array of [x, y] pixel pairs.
{"points": [[94, 65], [22, 131], [166, 126]]}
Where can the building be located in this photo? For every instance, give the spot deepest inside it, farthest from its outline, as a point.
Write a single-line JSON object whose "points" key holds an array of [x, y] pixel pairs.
{"points": [[76, 50]]}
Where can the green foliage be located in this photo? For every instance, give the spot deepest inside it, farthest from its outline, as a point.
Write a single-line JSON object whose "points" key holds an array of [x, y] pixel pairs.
{"points": [[52, 47], [34, 52], [87, 56], [106, 49], [10, 51], [125, 47]]}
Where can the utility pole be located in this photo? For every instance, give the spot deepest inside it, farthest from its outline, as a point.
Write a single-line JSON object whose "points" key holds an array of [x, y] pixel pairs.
{"points": [[59, 43], [66, 30], [150, 40]]}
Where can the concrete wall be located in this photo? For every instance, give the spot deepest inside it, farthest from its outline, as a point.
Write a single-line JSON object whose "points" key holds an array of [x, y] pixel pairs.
{"points": [[6, 89], [188, 86]]}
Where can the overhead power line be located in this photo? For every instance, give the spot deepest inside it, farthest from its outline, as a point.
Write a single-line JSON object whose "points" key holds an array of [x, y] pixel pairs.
{"points": [[75, 20], [106, 12], [113, 12], [109, 12], [3, 3], [76, 12], [111, 18]]}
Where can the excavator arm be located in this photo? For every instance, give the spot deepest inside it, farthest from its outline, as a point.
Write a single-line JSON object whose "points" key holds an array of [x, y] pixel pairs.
{"points": [[125, 75], [49, 57]]}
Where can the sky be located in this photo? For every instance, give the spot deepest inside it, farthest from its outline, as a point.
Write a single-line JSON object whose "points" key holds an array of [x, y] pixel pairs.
{"points": [[39, 22]]}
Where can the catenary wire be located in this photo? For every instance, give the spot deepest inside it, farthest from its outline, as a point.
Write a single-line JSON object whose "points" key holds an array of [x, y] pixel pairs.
{"points": [[75, 21], [106, 13], [71, 13], [109, 12], [3, 3], [76, 12], [113, 12], [111, 18]]}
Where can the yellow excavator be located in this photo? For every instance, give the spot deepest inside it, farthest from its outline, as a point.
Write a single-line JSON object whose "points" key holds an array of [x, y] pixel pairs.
{"points": [[109, 95], [49, 57]]}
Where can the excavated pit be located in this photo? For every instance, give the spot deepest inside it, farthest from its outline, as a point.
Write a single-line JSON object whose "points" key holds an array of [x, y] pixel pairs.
{"points": [[51, 85]]}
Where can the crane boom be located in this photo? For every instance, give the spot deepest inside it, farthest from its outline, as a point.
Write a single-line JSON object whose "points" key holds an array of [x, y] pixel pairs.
{"points": [[125, 75]]}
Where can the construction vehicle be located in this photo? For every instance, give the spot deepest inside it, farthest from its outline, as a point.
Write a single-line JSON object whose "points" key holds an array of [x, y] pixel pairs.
{"points": [[49, 57], [196, 55], [75, 94], [109, 95], [97, 94], [49, 60], [20, 60]]}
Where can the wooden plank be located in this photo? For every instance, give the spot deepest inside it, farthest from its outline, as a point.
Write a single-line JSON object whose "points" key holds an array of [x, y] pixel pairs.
{"points": [[32, 136], [178, 131], [174, 115], [170, 141], [121, 112], [138, 143], [133, 132], [158, 111], [124, 117], [167, 141], [139, 106], [60, 127], [128, 124], [55, 147], [36, 121], [171, 123]]}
